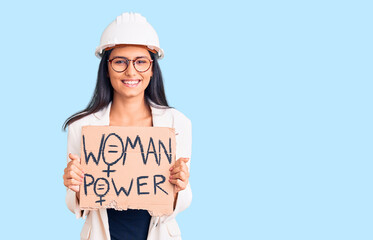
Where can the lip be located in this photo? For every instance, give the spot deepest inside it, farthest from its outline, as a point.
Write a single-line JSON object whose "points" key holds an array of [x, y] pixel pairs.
{"points": [[131, 85]]}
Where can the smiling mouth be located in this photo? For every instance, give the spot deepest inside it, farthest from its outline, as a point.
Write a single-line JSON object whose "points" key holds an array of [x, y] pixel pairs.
{"points": [[131, 83]]}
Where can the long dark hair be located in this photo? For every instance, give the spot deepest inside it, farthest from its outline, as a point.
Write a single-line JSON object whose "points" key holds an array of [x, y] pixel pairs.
{"points": [[103, 93]]}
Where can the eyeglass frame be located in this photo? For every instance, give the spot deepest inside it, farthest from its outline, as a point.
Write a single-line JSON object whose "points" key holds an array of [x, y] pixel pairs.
{"points": [[133, 63]]}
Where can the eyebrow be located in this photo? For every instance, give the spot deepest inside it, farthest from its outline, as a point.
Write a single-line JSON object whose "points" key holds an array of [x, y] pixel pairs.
{"points": [[128, 58]]}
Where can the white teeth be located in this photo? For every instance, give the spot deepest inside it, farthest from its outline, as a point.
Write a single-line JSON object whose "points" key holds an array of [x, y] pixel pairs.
{"points": [[131, 82]]}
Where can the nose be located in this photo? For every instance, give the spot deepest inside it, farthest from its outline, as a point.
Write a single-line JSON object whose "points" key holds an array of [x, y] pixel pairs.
{"points": [[130, 71]]}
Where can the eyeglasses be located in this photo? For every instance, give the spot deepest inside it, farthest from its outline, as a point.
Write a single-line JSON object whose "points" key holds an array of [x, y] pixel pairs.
{"points": [[120, 64]]}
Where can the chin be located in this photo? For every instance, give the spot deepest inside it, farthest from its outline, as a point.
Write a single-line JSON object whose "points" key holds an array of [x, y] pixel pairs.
{"points": [[128, 94]]}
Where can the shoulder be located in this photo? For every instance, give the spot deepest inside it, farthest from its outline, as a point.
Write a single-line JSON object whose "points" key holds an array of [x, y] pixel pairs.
{"points": [[179, 116], [183, 131], [169, 117], [98, 118], [82, 122], [181, 123], [173, 117]]}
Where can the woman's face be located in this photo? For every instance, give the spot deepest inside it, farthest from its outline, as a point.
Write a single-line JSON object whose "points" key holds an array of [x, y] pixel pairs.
{"points": [[129, 83]]}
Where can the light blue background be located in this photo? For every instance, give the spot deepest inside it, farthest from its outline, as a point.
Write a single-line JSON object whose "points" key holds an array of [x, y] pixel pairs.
{"points": [[279, 94]]}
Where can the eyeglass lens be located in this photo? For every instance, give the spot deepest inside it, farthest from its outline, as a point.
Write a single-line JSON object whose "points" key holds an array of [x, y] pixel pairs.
{"points": [[121, 64]]}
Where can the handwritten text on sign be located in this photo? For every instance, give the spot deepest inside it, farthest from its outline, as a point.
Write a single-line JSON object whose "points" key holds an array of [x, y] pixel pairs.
{"points": [[127, 167]]}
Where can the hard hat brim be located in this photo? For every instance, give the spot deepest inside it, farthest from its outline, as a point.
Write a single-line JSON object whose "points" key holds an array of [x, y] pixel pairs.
{"points": [[100, 50]]}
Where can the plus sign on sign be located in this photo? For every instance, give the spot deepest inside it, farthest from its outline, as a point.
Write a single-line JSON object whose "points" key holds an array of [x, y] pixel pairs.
{"points": [[127, 167]]}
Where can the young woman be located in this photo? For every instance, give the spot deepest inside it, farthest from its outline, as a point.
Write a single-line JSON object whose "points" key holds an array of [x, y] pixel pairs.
{"points": [[129, 92]]}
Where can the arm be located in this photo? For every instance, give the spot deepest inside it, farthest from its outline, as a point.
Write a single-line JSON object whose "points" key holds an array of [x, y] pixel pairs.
{"points": [[180, 171], [73, 171]]}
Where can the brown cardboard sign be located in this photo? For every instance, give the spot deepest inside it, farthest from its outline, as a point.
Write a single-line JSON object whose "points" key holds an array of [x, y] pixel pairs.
{"points": [[127, 167]]}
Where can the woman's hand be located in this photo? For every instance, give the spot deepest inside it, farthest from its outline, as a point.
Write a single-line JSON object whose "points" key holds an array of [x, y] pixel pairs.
{"points": [[179, 174], [74, 174]]}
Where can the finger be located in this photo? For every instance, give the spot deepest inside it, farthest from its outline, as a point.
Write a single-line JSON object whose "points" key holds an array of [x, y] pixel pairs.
{"points": [[77, 177], [180, 175], [72, 181], [78, 165], [178, 183], [78, 169], [183, 159], [75, 163], [175, 170], [182, 168], [73, 175], [174, 181], [74, 188], [177, 163], [73, 157]]}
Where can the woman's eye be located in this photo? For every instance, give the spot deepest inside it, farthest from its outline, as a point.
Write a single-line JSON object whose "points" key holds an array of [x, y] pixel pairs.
{"points": [[140, 62], [119, 62]]}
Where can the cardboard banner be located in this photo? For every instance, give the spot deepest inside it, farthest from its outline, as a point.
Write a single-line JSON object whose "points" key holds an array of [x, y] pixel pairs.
{"points": [[128, 167]]}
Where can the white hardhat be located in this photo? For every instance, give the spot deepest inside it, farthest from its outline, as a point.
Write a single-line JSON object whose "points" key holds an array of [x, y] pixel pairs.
{"points": [[129, 28]]}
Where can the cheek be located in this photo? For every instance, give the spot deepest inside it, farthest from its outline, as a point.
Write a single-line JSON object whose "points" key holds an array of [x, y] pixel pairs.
{"points": [[113, 78], [113, 75], [110, 73], [147, 79], [149, 75]]}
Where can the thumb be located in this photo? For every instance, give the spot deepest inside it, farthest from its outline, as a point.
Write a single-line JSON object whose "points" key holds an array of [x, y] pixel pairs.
{"points": [[185, 159], [73, 156]]}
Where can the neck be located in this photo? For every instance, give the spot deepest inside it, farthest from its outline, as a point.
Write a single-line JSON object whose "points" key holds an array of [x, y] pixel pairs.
{"points": [[129, 110]]}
